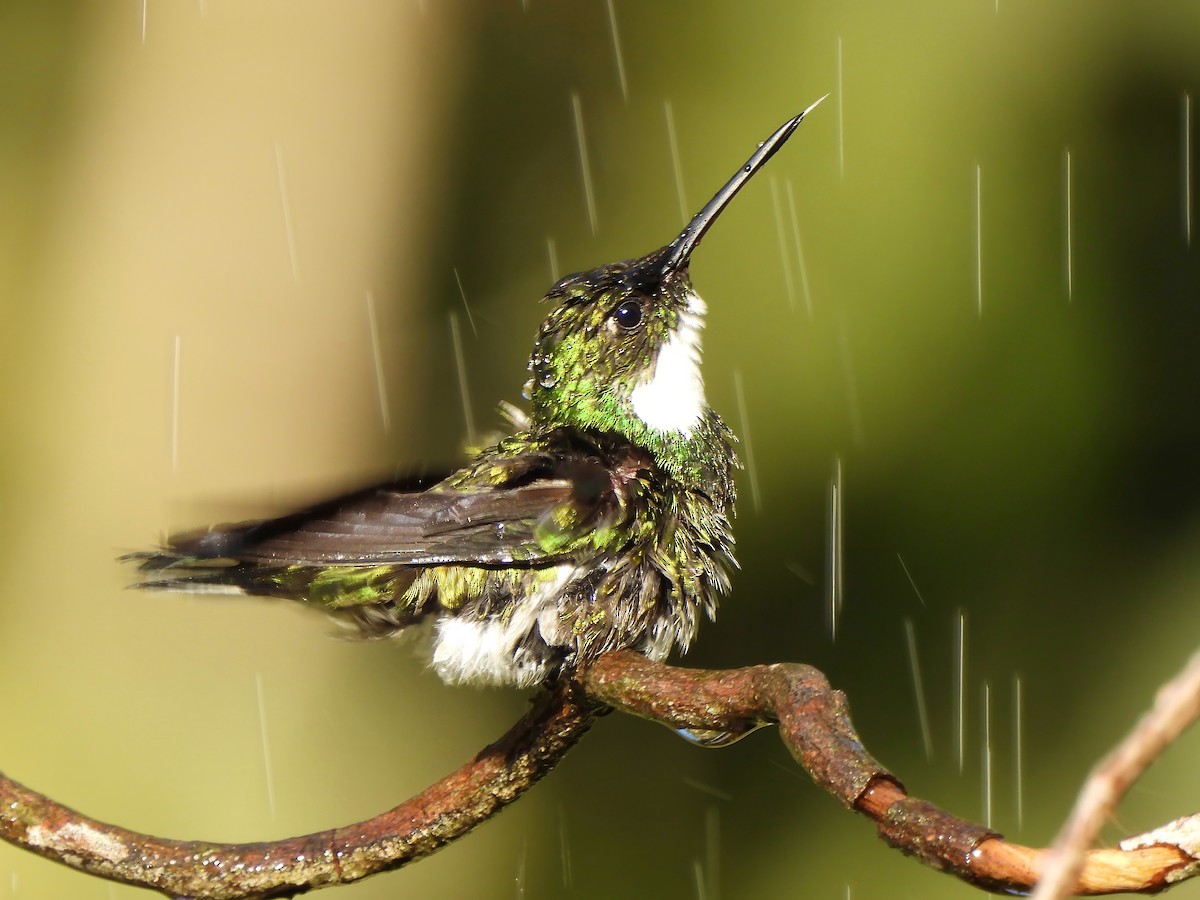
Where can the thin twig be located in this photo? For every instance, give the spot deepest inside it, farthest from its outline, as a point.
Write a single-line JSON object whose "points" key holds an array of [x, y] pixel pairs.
{"points": [[1175, 708]]}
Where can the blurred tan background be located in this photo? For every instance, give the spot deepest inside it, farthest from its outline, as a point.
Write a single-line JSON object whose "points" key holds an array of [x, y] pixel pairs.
{"points": [[196, 200]]}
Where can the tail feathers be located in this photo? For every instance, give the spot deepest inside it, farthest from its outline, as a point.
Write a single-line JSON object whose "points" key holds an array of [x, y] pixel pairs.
{"points": [[363, 601], [370, 596], [168, 571], [162, 560]]}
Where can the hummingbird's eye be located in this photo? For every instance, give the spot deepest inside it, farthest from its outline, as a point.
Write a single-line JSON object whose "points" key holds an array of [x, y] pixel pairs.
{"points": [[628, 315]]}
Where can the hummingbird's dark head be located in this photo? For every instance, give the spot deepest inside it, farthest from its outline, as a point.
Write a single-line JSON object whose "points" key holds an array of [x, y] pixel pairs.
{"points": [[621, 350]]}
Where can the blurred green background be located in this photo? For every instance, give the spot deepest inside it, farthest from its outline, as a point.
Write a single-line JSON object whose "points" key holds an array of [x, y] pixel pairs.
{"points": [[196, 199]]}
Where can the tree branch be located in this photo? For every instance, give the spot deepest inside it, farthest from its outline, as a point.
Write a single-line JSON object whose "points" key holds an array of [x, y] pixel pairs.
{"points": [[813, 721], [498, 775], [815, 725]]}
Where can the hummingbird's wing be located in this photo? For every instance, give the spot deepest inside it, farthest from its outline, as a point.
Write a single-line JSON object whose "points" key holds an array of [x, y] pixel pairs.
{"points": [[385, 526], [528, 509], [377, 559]]}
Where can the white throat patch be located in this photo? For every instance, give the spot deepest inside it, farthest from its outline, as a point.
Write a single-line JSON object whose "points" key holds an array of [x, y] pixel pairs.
{"points": [[672, 399]]}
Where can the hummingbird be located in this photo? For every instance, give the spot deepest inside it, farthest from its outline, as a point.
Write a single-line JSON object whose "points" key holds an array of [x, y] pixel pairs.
{"points": [[603, 523]]}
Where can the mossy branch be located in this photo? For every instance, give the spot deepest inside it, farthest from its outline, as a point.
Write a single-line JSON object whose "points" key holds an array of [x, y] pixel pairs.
{"points": [[497, 776], [813, 722], [815, 725]]}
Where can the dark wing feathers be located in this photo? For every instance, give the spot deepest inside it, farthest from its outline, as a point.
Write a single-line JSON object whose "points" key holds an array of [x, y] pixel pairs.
{"points": [[396, 525], [493, 526]]}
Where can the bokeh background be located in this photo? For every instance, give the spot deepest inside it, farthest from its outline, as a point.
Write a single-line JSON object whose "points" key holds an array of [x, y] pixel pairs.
{"points": [[197, 199]]}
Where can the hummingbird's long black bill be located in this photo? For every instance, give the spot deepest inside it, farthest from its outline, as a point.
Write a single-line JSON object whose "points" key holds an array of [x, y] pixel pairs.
{"points": [[680, 249]]}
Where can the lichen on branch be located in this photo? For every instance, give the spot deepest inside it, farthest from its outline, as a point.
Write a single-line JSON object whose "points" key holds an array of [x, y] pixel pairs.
{"points": [[813, 720]]}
